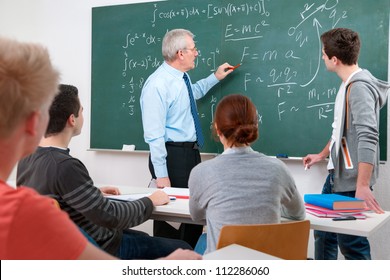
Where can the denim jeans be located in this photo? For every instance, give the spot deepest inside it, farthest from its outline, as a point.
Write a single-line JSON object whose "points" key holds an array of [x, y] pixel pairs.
{"points": [[352, 247], [139, 245], [201, 245], [90, 239]]}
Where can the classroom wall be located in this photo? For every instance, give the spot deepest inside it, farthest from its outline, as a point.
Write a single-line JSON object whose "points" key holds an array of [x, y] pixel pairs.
{"points": [[64, 26]]}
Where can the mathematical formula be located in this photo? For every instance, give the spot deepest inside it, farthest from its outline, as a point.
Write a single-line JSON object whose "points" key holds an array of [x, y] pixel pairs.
{"points": [[271, 70]]}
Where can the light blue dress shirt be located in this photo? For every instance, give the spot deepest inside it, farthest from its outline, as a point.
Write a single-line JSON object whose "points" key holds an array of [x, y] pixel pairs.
{"points": [[166, 111]]}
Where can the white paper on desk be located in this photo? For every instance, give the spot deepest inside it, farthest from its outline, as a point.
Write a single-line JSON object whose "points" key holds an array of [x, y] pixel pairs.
{"points": [[181, 192], [128, 197], [131, 197]]}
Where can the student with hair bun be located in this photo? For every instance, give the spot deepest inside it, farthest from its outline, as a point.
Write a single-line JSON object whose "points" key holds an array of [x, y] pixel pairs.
{"points": [[240, 186]]}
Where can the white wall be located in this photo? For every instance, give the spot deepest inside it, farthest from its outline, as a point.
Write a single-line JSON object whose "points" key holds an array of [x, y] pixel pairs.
{"points": [[64, 26]]}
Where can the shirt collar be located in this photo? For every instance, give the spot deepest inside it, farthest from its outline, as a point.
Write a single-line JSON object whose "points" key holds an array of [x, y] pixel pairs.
{"points": [[173, 71], [238, 150]]}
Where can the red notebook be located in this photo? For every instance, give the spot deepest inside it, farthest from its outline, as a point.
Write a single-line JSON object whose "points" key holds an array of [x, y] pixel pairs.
{"points": [[327, 213]]}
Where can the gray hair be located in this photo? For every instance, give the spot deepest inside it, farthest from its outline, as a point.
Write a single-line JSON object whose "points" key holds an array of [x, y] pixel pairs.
{"points": [[174, 41]]}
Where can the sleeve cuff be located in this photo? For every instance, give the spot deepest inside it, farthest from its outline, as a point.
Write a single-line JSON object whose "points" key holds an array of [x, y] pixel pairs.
{"points": [[367, 155]]}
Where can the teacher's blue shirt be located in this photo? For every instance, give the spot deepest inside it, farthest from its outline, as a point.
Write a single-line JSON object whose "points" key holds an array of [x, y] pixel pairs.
{"points": [[166, 112]]}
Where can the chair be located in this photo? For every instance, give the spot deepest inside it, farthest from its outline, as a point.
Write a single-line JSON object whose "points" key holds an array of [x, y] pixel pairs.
{"points": [[287, 240]]}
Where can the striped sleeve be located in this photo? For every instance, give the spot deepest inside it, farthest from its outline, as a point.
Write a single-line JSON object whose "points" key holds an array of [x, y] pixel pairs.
{"points": [[81, 196]]}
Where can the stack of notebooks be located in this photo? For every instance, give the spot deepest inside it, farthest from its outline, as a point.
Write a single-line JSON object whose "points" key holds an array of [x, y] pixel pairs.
{"points": [[334, 206]]}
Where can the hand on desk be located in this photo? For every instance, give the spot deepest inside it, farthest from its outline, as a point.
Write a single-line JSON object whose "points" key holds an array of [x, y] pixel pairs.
{"points": [[181, 254], [159, 198], [110, 191], [369, 199]]}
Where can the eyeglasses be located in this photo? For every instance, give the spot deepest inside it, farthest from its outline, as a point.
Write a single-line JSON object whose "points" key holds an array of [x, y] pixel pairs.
{"points": [[194, 49]]}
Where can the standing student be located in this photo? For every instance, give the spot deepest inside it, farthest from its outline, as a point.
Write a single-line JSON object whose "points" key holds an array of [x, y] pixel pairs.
{"points": [[31, 226], [171, 123], [353, 148], [240, 186], [52, 171]]}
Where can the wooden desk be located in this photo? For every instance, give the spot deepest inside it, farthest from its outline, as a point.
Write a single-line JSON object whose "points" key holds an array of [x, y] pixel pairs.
{"points": [[178, 211], [238, 252]]}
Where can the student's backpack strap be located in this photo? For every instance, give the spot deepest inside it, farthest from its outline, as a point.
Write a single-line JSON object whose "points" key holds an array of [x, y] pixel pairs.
{"points": [[346, 105]]}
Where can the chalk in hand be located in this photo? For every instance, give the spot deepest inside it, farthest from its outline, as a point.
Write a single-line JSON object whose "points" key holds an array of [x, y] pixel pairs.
{"points": [[234, 67], [306, 167]]}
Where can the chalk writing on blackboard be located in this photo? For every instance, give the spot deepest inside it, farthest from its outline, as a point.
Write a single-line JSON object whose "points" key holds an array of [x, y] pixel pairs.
{"points": [[282, 80]]}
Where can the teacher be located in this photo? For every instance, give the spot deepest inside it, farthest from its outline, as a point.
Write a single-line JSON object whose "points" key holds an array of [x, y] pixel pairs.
{"points": [[171, 123]]}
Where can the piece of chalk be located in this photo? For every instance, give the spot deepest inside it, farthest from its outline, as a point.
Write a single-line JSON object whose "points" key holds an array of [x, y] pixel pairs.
{"points": [[236, 66], [306, 167]]}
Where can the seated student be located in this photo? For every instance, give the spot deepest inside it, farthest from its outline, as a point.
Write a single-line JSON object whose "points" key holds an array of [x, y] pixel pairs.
{"points": [[240, 186], [52, 171], [31, 226]]}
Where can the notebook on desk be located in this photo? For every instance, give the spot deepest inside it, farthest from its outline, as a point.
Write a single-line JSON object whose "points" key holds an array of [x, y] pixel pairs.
{"points": [[179, 193], [127, 197], [183, 193]]}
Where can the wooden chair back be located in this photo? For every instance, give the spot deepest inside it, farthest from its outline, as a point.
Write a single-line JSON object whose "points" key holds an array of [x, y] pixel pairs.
{"points": [[287, 240]]}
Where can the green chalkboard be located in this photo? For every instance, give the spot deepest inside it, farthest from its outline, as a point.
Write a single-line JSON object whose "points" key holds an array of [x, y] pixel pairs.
{"points": [[276, 41]]}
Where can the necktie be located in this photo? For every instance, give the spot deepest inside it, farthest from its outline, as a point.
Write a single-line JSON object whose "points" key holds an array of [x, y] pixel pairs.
{"points": [[194, 112]]}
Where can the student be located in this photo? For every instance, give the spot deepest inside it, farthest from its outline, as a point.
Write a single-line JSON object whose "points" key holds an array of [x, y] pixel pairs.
{"points": [[353, 148], [171, 124], [52, 171], [31, 226], [240, 186]]}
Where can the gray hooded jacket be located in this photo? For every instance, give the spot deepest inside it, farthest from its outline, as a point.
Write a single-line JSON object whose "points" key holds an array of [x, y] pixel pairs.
{"points": [[360, 127]]}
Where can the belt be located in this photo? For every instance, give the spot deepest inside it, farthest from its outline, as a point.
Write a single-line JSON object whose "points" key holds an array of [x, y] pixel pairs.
{"points": [[191, 145]]}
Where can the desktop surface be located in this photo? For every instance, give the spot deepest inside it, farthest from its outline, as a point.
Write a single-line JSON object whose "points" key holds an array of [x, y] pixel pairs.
{"points": [[178, 211]]}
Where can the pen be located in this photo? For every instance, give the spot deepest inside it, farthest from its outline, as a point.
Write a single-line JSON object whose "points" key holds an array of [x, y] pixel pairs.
{"points": [[172, 198], [234, 67], [181, 196]]}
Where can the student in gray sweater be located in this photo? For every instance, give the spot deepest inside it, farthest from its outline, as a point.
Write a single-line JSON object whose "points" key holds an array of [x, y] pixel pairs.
{"points": [[353, 147], [240, 186]]}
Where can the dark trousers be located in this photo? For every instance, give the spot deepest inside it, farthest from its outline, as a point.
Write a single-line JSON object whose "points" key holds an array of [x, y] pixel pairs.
{"points": [[139, 245], [181, 158]]}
